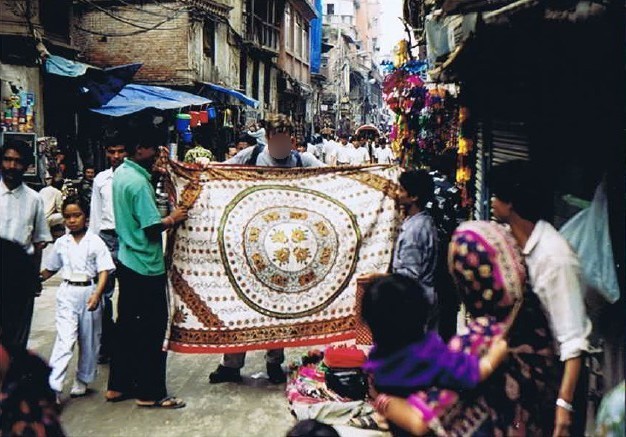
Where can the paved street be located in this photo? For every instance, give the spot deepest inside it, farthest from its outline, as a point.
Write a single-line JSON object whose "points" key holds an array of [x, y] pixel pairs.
{"points": [[222, 410], [252, 409]]}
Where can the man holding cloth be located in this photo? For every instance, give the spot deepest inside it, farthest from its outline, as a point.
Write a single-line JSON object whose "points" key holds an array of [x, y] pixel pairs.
{"points": [[139, 362], [277, 153]]}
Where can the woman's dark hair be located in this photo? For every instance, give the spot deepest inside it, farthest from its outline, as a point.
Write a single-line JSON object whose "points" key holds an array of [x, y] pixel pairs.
{"points": [[22, 148], [76, 200], [517, 183], [312, 428], [396, 310], [418, 183]]}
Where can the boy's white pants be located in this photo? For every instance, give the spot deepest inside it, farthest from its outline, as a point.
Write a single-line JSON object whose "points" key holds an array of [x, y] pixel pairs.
{"points": [[75, 322]]}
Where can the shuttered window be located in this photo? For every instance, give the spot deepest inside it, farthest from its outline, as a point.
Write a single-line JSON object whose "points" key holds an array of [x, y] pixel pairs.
{"points": [[497, 142]]}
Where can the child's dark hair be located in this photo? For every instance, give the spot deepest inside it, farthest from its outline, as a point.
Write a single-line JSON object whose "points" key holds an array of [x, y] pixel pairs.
{"points": [[418, 183], [312, 428], [396, 310], [517, 183], [76, 200]]}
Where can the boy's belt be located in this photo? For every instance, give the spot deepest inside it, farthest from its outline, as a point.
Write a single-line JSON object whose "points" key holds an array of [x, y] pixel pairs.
{"points": [[79, 284]]}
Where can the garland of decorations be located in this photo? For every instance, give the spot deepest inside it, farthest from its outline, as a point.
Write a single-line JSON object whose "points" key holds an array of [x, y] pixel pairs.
{"points": [[427, 118], [465, 154]]}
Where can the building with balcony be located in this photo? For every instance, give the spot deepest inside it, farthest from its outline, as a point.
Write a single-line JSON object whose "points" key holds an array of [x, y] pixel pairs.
{"points": [[351, 96], [295, 92], [259, 52]]}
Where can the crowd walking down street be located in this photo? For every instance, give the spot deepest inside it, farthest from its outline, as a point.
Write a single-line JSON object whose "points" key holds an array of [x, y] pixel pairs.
{"points": [[312, 218]]}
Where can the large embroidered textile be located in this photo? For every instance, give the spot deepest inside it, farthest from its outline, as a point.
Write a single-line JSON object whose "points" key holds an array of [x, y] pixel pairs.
{"points": [[270, 257]]}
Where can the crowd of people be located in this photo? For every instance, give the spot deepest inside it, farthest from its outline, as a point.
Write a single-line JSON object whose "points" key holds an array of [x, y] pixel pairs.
{"points": [[357, 149], [514, 372]]}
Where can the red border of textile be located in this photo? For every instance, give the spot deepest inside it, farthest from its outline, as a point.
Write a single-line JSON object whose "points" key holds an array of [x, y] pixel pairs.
{"points": [[184, 348]]}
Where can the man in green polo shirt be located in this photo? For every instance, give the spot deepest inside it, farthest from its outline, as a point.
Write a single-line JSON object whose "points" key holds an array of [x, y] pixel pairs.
{"points": [[138, 364]]}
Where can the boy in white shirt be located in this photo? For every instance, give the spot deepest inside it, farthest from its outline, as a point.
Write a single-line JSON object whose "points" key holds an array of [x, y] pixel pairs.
{"points": [[344, 150], [385, 155], [359, 154], [84, 262]]}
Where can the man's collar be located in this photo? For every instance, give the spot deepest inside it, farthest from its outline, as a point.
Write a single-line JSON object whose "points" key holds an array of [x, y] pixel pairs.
{"points": [[4, 189], [534, 238], [130, 163]]}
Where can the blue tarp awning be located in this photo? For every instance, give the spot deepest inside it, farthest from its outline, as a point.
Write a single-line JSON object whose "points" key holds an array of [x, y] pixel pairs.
{"points": [[134, 98], [241, 96], [64, 67]]}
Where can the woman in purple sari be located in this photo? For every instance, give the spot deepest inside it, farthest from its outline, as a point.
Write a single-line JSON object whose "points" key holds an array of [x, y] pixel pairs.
{"points": [[518, 398]]}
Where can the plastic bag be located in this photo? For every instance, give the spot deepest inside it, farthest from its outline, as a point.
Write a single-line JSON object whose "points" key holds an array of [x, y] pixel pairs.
{"points": [[588, 234]]}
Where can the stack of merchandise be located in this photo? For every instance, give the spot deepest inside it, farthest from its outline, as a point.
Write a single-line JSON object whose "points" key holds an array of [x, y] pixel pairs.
{"points": [[330, 387]]}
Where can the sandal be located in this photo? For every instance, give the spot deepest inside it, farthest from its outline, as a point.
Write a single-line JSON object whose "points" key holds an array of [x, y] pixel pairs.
{"points": [[168, 403], [369, 423]]}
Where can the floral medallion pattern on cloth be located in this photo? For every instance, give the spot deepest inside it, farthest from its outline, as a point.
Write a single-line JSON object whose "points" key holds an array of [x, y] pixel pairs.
{"points": [[270, 257]]}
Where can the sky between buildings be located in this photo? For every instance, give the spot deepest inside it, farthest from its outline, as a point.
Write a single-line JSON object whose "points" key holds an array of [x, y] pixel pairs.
{"points": [[391, 28]]}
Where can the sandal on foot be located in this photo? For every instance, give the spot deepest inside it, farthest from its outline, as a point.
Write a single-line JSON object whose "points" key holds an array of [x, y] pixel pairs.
{"points": [[168, 403], [369, 423]]}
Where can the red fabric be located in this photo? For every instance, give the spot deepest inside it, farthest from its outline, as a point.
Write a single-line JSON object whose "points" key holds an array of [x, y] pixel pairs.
{"points": [[343, 357]]}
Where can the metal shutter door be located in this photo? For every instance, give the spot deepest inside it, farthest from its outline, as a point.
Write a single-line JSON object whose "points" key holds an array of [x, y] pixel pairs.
{"points": [[497, 142], [510, 142]]}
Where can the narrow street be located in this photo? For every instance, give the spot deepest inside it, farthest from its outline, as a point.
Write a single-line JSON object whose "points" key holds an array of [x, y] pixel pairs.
{"points": [[252, 409], [423, 201]]}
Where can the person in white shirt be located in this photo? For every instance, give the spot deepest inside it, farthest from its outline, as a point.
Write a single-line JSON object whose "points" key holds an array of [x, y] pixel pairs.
{"points": [[52, 198], [258, 132], [555, 277], [316, 147], [330, 151], [303, 148], [102, 223], [359, 154], [344, 150], [22, 221], [84, 262], [385, 154], [376, 150]]}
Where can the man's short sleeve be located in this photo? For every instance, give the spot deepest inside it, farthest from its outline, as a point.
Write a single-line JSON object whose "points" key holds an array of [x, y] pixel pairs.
{"points": [[144, 207], [242, 157], [41, 231]]}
